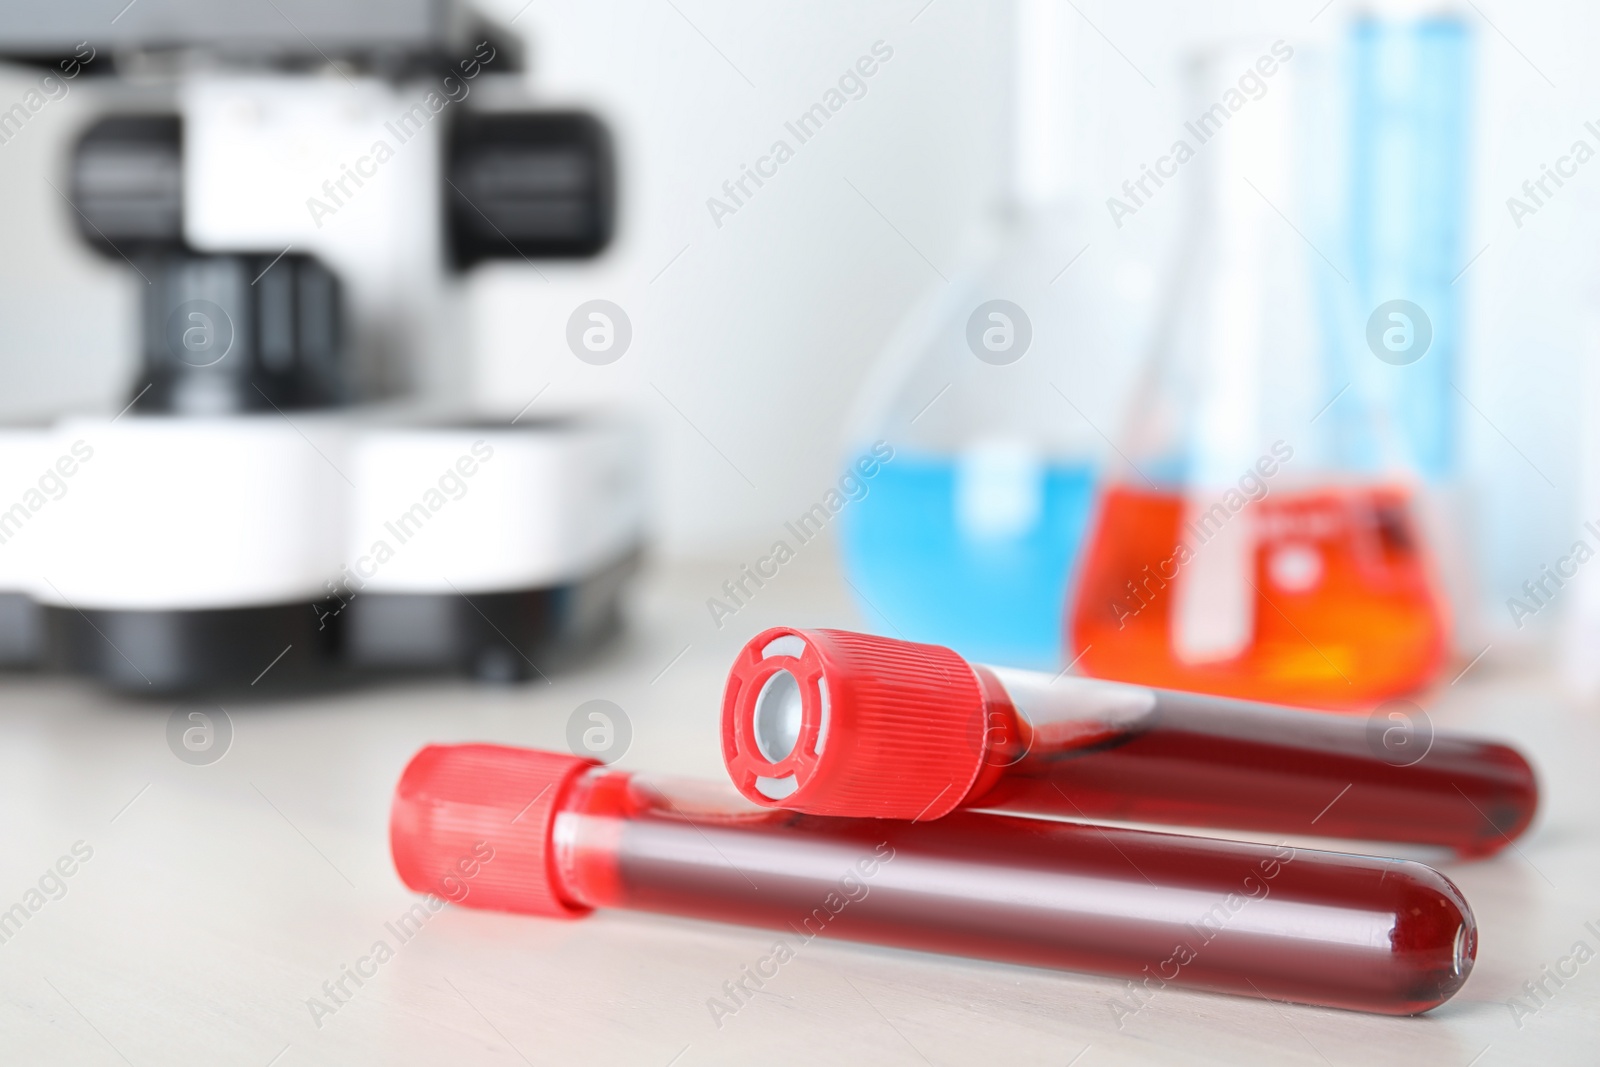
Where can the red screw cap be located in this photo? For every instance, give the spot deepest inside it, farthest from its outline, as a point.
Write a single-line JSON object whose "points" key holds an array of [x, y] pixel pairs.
{"points": [[837, 723], [456, 802]]}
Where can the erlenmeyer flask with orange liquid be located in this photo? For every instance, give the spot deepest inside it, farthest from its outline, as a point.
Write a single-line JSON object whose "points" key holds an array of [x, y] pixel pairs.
{"points": [[1250, 546]]}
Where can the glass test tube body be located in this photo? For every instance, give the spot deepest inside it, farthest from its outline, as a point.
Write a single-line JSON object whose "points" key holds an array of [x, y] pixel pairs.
{"points": [[1320, 928], [831, 722], [1082, 748]]}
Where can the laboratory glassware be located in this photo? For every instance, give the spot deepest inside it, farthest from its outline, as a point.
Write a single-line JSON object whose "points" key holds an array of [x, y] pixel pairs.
{"points": [[1258, 537], [985, 394]]}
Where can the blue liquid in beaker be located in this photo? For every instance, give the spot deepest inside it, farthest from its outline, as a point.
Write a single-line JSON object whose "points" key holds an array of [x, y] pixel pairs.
{"points": [[974, 552]]}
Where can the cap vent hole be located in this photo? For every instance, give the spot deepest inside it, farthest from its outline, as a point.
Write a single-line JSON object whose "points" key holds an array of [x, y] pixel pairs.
{"points": [[787, 645], [777, 716]]}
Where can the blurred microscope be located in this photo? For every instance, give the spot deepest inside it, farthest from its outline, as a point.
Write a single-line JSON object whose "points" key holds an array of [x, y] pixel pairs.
{"points": [[291, 496]]}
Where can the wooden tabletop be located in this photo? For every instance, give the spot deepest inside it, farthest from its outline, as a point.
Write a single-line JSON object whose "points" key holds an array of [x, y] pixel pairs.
{"points": [[207, 905]]}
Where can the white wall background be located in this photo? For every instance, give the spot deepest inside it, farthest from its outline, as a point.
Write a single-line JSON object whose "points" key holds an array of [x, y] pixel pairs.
{"points": [[760, 331]]}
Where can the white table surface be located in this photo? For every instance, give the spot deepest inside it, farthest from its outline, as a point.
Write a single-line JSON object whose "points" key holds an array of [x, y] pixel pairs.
{"points": [[219, 898]]}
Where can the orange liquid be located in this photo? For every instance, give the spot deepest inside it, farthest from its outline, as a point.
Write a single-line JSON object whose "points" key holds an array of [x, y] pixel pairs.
{"points": [[1346, 612]]}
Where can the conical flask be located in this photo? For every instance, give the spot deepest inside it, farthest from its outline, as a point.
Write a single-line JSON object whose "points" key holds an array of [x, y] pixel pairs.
{"points": [[969, 535], [1250, 544]]}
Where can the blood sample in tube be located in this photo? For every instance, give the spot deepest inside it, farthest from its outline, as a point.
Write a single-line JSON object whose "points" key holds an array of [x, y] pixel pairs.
{"points": [[550, 834], [836, 723]]}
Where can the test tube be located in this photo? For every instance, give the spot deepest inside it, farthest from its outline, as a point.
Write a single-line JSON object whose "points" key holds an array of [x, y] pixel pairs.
{"points": [[549, 834], [837, 723]]}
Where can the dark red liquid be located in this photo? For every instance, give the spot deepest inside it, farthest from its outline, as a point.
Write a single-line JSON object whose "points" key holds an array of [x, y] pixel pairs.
{"points": [[1346, 612], [1197, 761], [1315, 927]]}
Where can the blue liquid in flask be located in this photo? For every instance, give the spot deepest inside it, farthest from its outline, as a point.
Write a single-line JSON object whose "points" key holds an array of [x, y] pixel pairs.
{"points": [[974, 552]]}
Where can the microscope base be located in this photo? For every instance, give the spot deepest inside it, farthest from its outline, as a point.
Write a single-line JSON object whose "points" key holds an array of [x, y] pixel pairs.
{"points": [[168, 651], [504, 636]]}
